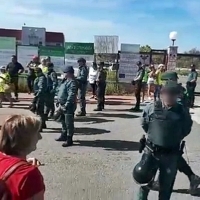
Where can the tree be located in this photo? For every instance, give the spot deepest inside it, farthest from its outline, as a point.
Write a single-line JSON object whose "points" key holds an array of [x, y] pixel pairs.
{"points": [[145, 48]]}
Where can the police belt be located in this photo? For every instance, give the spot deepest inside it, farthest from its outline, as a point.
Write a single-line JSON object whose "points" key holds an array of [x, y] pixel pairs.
{"points": [[158, 149]]}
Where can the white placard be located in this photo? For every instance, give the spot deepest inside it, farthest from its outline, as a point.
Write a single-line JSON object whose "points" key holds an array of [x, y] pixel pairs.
{"points": [[127, 67], [106, 44], [130, 48], [5, 56], [33, 36], [26, 53]]}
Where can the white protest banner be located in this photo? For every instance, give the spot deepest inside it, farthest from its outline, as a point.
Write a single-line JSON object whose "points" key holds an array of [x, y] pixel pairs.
{"points": [[25, 54], [127, 67], [7, 49], [106, 44]]}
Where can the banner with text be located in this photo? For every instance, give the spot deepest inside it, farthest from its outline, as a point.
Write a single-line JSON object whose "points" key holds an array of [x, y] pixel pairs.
{"points": [[74, 51], [128, 58], [57, 55], [7, 49], [106, 44], [127, 67], [25, 54]]}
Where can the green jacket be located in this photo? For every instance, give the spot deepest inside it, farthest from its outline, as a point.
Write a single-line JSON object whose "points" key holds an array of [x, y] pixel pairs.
{"points": [[67, 93], [102, 76], [40, 86], [52, 80], [157, 129], [82, 75]]}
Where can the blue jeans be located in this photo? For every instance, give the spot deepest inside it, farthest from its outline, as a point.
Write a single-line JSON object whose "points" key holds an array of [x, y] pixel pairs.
{"points": [[157, 92]]}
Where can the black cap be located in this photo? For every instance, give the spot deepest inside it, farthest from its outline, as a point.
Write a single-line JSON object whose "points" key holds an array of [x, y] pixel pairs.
{"points": [[81, 60], [68, 69], [139, 63]]}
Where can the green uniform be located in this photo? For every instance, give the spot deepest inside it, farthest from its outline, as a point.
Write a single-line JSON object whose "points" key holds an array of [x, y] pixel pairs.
{"points": [[101, 89], [52, 83], [82, 84], [40, 92], [191, 86], [67, 95], [165, 128]]}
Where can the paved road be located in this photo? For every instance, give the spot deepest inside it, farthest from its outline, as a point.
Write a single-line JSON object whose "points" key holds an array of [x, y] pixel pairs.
{"points": [[99, 166]]}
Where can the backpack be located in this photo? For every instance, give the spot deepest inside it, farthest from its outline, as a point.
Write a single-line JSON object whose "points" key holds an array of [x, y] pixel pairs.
{"points": [[5, 193]]}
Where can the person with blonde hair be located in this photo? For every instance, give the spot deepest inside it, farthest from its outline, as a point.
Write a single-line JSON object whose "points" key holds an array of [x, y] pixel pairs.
{"points": [[151, 80], [19, 137], [158, 81]]}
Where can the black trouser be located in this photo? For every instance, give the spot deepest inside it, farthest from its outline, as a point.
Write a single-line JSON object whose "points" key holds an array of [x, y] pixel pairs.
{"points": [[94, 87], [40, 110], [101, 90], [49, 104], [191, 89], [30, 82], [14, 81], [138, 93]]}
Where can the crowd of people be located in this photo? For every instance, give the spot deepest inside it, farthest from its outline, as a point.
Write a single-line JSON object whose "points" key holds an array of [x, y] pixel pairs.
{"points": [[149, 79], [165, 121]]}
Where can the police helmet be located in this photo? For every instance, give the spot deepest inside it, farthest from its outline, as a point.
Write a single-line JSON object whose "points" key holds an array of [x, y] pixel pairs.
{"points": [[139, 63], [81, 60], [169, 75], [145, 171], [68, 69]]}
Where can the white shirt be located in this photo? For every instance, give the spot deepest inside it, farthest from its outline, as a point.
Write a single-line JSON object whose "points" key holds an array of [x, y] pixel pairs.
{"points": [[92, 75]]}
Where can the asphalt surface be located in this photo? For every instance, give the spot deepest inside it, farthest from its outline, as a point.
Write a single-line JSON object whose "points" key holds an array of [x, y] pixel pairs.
{"points": [[99, 165]]}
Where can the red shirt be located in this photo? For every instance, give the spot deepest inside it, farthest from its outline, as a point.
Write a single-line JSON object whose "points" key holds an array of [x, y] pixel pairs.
{"points": [[25, 182]]}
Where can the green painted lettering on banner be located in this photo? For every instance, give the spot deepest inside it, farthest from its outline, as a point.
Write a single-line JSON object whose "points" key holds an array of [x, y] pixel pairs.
{"points": [[79, 48], [52, 51]]}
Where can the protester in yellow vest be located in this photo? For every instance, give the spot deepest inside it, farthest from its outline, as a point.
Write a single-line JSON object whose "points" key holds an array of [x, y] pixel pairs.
{"points": [[43, 65], [5, 88], [144, 83], [158, 81]]}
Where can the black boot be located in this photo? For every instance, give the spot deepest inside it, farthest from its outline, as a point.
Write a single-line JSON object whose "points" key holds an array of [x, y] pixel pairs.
{"points": [[98, 109], [68, 143], [62, 138], [81, 113]]}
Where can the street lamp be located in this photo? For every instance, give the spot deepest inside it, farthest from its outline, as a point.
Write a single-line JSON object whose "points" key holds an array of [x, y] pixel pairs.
{"points": [[173, 36]]}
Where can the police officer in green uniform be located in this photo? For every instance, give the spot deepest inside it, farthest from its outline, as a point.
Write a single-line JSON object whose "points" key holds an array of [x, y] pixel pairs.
{"points": [[101, 87], [40, 92], [166, 124], [191, 84], [138, 85], [182, 164], [67, 95], [52, 83], [82, 84]]}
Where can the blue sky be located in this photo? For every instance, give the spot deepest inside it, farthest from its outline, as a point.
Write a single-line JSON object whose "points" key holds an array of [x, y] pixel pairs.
{"points": [[134, 21]]}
